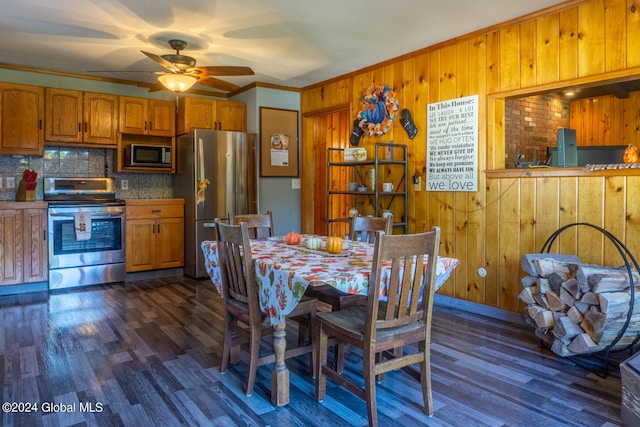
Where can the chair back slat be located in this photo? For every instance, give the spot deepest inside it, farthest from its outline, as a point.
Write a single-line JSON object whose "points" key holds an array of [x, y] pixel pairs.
{"points": [[363, 228], [259, 225], [409, 295], [236, 265]]}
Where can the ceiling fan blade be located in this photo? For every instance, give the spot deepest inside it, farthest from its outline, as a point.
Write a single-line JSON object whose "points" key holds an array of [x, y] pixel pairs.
{"points": [[217, 83], [223, 70], [122, 71], [160, 60]]}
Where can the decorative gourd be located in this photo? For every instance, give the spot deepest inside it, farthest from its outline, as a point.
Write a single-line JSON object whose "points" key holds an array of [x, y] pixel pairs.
{"points": [[314, 243], [334, 245], [292, 238], [630, 154]]}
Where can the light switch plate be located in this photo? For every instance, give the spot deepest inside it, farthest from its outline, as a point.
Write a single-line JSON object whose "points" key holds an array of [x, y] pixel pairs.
{"points": [[11, 182], [416, 183], [0, 182], [295, 184]]}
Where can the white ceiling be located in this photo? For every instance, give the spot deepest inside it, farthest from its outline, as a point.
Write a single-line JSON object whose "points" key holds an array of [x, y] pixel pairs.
{"points": [[286, 42]]}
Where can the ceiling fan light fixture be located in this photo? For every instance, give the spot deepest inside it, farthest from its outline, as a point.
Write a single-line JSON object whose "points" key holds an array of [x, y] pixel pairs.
{"points": [[177, 82]]}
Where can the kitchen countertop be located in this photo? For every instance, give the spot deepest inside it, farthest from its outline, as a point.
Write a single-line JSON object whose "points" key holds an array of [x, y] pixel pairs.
{"points": [[23, 205]]}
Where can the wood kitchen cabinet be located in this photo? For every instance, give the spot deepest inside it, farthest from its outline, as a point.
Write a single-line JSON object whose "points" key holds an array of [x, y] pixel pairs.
{"points": [[155, 234], [204, 113], [141, 116], [23, 243], [81, 117], [21, 119]]}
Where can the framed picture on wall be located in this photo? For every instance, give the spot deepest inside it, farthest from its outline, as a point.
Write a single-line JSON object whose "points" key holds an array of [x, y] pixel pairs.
{"points": [[279, 142]]}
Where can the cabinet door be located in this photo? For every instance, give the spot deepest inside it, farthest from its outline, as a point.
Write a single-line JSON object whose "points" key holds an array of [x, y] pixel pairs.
{"points": [[231, 115], [140, 244], [133, 115], [36, 263], [196, 113], [21, 119], [100, 121], [11, 254], [63, 115], [162, 117], [170, 242]]}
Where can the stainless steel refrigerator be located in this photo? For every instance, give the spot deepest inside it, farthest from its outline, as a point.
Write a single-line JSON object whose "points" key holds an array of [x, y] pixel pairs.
{"points": [[217, 175]]}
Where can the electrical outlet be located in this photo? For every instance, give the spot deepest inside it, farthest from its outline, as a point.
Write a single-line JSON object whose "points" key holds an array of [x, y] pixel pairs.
{"points": [[124, 184], [0, 182], [11, 182]]}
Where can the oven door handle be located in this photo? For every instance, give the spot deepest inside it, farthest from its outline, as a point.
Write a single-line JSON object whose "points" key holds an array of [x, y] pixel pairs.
{"points": [[94, 215]]}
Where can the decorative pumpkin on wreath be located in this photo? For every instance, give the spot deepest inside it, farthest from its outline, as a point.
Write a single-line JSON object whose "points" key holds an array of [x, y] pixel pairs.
{"points": [[378, 109]]}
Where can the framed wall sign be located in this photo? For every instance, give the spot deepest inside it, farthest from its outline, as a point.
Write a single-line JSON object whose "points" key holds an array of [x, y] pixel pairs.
{"points": [[279, 142]]}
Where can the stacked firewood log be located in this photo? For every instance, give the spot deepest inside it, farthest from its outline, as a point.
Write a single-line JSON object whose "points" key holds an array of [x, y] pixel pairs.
{"points": [[579, 308]]}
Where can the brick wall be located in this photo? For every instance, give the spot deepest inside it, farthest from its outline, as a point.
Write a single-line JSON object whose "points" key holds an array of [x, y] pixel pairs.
{"points": [[533, 122]]}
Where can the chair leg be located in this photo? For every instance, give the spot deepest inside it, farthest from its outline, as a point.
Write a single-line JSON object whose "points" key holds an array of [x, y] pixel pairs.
{"points": [[226, 346], [314, 343], [254, 352], [425, 380], [321, 361], [338, 356], [370, 387]]}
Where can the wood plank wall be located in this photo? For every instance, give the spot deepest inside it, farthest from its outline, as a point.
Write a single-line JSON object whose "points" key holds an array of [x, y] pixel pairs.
{"points": [[577, 42], [606, 120]]}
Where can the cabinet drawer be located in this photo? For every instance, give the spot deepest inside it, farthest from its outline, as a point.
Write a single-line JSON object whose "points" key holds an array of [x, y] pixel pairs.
{"points": [[155, 211]]}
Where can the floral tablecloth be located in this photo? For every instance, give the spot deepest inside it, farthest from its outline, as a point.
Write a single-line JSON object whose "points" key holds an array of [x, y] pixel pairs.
{"points": [[284, 272]]}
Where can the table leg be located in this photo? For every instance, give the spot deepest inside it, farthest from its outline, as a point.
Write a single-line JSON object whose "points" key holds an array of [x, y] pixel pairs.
{"points": [[279, 373]]}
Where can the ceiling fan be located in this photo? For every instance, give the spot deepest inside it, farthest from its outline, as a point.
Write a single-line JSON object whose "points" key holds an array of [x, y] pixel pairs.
{"points": [[181, 71]]}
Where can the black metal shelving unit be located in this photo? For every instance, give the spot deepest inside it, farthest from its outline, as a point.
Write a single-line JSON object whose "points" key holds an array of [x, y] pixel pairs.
{"points": [[379, 198]]}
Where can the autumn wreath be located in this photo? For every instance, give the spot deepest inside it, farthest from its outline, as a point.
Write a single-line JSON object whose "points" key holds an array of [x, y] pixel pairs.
{"points": [[378, 108]]}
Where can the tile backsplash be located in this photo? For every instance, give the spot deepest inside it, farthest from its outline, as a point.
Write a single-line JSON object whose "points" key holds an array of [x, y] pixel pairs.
{"points": [[81, 162]]}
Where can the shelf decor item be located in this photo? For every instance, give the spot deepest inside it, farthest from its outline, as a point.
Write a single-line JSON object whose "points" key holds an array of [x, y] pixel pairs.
{"points": [[378, 109], [630, 154]]}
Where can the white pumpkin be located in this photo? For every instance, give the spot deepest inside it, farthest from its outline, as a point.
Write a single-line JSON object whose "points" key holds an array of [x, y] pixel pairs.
{"points": [[314, 243]]}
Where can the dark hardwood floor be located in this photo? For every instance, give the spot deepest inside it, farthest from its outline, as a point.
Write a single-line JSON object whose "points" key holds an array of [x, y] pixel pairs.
{"points": [[147, 354]]}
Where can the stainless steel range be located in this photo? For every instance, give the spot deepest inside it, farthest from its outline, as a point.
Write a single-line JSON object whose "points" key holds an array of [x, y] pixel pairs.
{"points": [[86, 232]]}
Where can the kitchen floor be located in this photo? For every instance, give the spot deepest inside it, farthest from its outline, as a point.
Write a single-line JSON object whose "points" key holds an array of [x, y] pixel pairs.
{"points": [[147, 354]]}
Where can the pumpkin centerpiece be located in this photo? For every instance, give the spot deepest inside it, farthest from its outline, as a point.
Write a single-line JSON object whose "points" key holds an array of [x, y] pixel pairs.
{"points": [[314, 243], [334, 245], [630, 154], [292, 238]]}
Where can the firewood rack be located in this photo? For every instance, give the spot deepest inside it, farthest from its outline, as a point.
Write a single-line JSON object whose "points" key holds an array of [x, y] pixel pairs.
{"points": [[602, 357]]}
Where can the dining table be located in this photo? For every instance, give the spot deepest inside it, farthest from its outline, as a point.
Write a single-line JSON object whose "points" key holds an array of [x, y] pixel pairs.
{"points": [[284, 272]]}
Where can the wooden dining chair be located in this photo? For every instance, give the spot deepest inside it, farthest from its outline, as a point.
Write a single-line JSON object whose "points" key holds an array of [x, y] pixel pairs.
{"points": [[260, 224], [244, 321], [399, 318], [363, 228]]}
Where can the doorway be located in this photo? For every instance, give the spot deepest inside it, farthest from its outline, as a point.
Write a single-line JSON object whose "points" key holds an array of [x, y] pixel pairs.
{"points": [[331, 129]]}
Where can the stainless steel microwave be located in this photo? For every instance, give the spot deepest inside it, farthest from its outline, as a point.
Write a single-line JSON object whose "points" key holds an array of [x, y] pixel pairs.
{"points": [[151, 156]]}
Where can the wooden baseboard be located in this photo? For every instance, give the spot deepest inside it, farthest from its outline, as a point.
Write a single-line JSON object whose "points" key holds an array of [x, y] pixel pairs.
{"points": [[154, 274], [484, 310]]}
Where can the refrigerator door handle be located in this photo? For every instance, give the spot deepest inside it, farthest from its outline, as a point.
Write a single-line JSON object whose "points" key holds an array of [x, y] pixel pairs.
{"points": [[200, 165]]}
